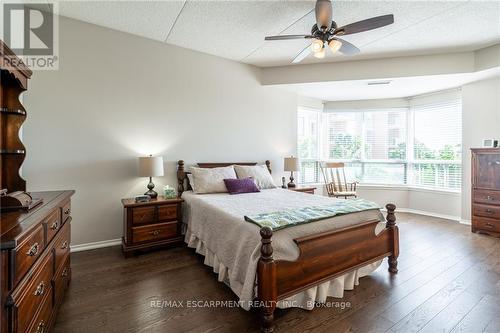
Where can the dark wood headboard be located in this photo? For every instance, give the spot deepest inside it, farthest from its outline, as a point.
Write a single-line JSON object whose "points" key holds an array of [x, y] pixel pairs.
{"points": [[183, 181]]}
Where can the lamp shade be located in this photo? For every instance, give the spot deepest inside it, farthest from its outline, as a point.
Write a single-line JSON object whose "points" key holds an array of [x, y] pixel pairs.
{"points": [[151, 166], [292, 164]]}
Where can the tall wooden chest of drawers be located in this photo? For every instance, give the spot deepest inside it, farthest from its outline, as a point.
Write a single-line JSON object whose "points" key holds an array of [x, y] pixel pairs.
{"points": [[35, 263], [486, 191]]}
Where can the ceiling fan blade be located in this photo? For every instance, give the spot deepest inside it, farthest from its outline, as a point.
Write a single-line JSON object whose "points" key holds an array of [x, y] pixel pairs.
{"points": [[347, 48], [365, 25], [323, 11], [286, 37], [302, 55]]}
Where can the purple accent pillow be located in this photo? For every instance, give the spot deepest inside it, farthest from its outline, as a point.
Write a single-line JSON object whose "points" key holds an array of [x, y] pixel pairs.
{"points": [[239, 186]]}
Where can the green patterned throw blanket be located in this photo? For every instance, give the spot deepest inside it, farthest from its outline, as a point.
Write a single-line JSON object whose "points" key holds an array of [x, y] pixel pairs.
{"points": [[290, 217]]}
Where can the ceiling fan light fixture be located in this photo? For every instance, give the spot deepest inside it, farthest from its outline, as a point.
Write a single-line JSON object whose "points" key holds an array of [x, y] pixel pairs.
{"points": [[320, 54], [334, 45], [316, 45]]}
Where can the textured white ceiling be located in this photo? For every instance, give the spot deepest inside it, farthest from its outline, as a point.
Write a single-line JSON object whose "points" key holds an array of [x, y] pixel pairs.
{"points": [[236, 29]]}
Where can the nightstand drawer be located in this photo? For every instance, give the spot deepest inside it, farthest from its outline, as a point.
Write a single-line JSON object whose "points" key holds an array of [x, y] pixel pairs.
{"points": [[166, 213], [142, 215], [154, 232]]}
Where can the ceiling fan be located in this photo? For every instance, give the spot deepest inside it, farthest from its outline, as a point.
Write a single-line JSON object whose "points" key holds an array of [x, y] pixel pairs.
{"points": [[325, 32]]}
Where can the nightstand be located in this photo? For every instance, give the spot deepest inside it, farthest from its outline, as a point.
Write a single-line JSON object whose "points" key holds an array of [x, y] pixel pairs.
{"points": [[303, 188], [153, 224]]}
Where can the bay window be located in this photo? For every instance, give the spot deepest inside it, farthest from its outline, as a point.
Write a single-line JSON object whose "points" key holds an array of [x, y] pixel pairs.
{"points": [[417, 145]]}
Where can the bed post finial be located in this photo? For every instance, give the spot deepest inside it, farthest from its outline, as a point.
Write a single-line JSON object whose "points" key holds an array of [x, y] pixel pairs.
{"points": [[181, 175], [391, 225], [268, 164], [266, 280]]}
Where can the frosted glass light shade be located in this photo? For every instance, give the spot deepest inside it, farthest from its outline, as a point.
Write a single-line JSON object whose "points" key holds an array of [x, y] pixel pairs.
{"points": [[292, 164], [316, 45], [320, 54], [335, 45], [151, 166]]}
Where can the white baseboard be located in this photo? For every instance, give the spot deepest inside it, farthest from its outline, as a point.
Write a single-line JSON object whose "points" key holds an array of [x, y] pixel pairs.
{"points": [[421, 212], [464, 221], [95, 245]]}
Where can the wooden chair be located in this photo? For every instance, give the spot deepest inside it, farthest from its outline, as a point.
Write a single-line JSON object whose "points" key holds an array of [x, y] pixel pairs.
{"points": [[335, 181]]}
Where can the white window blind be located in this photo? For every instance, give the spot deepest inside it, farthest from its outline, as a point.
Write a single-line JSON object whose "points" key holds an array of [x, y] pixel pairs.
{"points": [[418, 145], [437, 143]]}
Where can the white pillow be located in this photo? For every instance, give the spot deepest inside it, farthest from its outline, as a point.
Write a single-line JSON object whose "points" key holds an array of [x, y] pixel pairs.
{"points": [[211, 180], [191, 180], [259, 173]]}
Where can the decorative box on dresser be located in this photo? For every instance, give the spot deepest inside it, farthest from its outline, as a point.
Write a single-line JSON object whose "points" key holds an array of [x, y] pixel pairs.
{"points": [[35, 263], [152, 224], [486, 191]]}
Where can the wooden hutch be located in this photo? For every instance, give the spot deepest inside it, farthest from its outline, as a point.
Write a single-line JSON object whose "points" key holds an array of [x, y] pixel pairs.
{"points": [[34, 240]]}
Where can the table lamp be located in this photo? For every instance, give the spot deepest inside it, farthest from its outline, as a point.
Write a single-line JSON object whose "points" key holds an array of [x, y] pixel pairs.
{"points": [[151, 167], [291, 164]]}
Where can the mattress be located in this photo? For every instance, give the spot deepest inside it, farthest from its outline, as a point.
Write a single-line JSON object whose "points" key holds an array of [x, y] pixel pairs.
{"points": [[215, 227]]}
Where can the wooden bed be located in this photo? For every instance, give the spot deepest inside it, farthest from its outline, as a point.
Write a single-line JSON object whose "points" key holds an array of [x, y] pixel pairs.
{"points": [[323, 256]]}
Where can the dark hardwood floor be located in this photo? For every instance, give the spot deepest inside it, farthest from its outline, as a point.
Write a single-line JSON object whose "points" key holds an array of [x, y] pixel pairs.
{"points": [[448, 281]]}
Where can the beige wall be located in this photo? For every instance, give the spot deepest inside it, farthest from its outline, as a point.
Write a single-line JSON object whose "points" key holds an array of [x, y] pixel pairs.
{"points": [[481, 120], [117, 96]]}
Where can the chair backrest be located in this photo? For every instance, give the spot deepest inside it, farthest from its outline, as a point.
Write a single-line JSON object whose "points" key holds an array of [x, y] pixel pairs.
{"points": [[334, 177]]}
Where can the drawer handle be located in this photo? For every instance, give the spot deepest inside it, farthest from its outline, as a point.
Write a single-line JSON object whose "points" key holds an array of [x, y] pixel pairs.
{"points": [[496, 163], [40, 289], [489, 225], [67, 211], [33, 251], [155, 232], [65, 272], [41, 327], [489, 211], [64, 245], [54, 226], [489, 198]]}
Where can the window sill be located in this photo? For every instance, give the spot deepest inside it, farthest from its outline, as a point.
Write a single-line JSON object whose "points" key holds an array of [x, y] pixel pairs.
{"points": [[400, 188]]}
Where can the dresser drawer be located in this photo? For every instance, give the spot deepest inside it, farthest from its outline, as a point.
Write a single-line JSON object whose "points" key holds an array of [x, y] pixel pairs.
{"points": [[28, 251], [154, 232], [41, 322], [61, 280], [167, 213], [61, 245], [486, 197], [486, 211], [486, 224], [28, 297], [142, 215], [52, 224], [65, 211]]}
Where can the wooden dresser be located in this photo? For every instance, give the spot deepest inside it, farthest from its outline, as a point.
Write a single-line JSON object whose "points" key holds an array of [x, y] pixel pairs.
{"points": [[152, 224], [35, 263], [486, 191]]}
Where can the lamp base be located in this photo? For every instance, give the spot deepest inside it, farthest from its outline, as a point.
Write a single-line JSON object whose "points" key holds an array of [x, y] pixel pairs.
{"points": [[152, 194], [291, 183], [151, 186]]}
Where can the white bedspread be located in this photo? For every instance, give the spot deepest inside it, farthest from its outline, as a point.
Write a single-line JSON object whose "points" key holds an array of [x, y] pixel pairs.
{"points": [[216, 228]]}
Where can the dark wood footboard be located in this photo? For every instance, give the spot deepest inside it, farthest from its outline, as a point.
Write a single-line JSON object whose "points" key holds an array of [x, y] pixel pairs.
{"points": [[322, 257]]}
